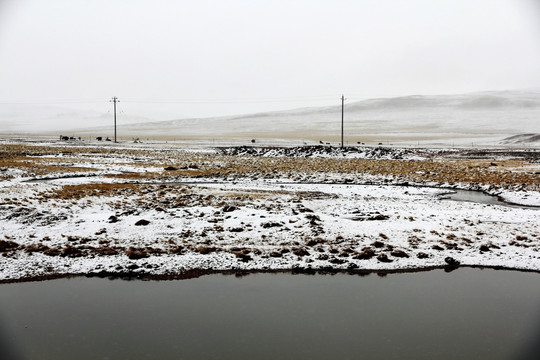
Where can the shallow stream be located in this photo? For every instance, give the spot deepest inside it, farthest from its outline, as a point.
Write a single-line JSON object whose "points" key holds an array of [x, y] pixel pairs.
{"points": [[465, 314]]}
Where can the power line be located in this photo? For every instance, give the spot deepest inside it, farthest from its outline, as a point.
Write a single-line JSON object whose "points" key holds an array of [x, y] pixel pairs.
{"points": [[46, 102], [192, 100], [230, 100]]}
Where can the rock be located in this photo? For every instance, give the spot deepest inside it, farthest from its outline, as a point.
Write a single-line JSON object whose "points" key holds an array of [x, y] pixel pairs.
{"points": [[243, 257], [384, 258], [229, 208], [451, 261], [142, 222], [313, 219], [378, 217], [271, 224], [399, 253], [113, 219], [484, 248], [337, 261], [170, 168]]}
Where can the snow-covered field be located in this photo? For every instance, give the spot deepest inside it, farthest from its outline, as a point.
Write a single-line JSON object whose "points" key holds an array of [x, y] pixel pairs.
{"points": [[163, 210]]}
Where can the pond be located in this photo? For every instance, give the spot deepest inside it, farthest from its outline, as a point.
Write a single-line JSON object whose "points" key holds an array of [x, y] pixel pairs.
{"points": [[479, 197], [465, 314]]}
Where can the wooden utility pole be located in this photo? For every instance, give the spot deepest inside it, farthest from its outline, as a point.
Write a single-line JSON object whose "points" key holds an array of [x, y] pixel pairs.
{"points": [[342, 106], [114, 100]]}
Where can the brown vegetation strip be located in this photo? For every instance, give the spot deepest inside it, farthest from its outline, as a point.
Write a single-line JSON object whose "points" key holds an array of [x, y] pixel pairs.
{"points": [[500, 173]]}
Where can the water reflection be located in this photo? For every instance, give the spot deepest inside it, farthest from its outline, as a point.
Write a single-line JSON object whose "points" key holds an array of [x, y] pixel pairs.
{"points": [[468, 313]]}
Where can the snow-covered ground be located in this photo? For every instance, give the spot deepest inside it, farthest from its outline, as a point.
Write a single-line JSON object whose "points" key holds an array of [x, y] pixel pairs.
{"points": [[119, 212]]}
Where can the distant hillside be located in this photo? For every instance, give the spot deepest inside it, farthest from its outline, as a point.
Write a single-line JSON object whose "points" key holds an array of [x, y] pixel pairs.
{"points": [[486, 117], [531, 139]]}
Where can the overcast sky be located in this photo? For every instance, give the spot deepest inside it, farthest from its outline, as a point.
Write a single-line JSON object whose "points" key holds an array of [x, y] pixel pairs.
{"points": [[215, 57]]}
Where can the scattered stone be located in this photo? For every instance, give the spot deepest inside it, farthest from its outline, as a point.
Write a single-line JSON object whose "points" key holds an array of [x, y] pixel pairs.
{"points": [[451, 261], [384, 258], [399, 253], [378, 217], [313, 219], [484, 248], [142, 222], [113, 219], [337, 261], [271, 224], [243, 257], [422, 255], [378, 244]]}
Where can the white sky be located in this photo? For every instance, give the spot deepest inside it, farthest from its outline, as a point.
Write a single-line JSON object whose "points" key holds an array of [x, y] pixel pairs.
{"points": [[216, 57]]}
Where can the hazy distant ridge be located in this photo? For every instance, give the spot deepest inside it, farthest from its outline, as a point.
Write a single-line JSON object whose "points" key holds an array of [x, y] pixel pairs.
{"points": [[493, 115], [485, 116]]}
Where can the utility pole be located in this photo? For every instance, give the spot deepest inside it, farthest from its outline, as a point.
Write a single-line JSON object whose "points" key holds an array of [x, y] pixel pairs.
{"points": [[114, 100], [342, 106]]}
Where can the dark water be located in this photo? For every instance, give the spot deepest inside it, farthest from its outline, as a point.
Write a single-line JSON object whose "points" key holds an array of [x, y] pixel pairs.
{"points": [[465, 314]]}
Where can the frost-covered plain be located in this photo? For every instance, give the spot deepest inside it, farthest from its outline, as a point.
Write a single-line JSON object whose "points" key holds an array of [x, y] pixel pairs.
{"points": [[166, 211]]}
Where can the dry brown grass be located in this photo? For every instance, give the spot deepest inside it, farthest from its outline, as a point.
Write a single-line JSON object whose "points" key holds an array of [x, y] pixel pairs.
{"points": [[502, 173], [74, 192]]}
